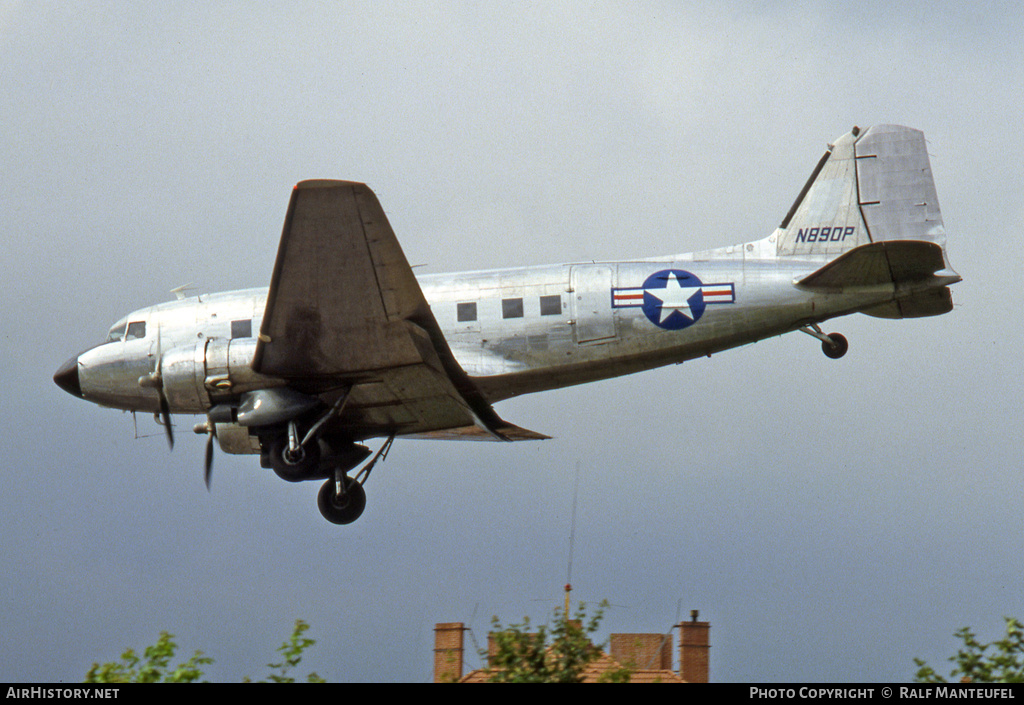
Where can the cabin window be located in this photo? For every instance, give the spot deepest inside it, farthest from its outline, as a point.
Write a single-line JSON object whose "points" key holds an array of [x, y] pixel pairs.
{"points": [[512, 308], [241, 329], [466, 312], [136, 329], [551, 305]]}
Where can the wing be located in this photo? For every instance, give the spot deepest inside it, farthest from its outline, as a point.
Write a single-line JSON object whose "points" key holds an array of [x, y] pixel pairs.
{"points": [[345, 311]]}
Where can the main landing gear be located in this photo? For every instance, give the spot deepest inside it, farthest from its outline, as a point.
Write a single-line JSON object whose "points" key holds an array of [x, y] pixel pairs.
{"points": [[342, 498], [834, 345]]}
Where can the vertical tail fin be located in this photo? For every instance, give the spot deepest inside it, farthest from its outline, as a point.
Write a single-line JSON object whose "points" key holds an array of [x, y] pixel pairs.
{"points": [[825, 219], [871, 186], [870, 213]]}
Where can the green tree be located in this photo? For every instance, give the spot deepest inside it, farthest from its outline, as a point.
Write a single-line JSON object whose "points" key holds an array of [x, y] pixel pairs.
{"points": [[291, 652], [554, 653], [156, 668], [975, 663]]}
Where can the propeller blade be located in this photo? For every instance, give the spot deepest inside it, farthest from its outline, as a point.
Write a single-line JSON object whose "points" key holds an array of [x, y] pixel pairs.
{"points": [[210, 429], [208, 470], [165, 417], [155, 380]]}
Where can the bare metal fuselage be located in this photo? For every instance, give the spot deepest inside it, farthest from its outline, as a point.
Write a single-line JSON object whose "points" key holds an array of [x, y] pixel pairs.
{"points": [[506, 352]]}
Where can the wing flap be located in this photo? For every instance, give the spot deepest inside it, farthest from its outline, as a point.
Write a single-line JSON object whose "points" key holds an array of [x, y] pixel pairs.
{"points": [[402, 400], [508, 432]]}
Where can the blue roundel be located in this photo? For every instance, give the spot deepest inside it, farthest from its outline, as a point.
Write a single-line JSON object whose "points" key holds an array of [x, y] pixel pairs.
{"points": [[673, 299]]}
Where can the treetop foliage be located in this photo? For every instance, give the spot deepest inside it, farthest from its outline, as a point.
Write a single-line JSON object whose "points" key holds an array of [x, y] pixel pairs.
{"points": [[154, 666], [555, 653], [975, 663]]}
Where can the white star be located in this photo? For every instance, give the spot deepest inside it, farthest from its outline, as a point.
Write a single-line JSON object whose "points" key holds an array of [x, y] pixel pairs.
{"points": [[674, 298]]}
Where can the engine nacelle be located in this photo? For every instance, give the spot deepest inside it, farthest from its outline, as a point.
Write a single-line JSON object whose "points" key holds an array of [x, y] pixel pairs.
{"points": [[236, 439], [182, 371], [196, 377]]}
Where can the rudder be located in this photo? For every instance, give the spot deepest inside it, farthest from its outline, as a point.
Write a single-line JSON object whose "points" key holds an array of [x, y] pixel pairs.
{"points": [[897, 192]]}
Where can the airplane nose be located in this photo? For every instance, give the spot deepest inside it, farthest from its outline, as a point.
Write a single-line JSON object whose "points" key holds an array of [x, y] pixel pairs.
{"points": [[67, 377]]}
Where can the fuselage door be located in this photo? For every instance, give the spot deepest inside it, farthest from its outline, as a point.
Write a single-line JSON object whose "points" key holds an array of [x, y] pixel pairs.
{"points": [[591, 291]]}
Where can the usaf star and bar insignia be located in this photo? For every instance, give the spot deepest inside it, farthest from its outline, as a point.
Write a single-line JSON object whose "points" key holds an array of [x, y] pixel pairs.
{"points": [[673, 299]]}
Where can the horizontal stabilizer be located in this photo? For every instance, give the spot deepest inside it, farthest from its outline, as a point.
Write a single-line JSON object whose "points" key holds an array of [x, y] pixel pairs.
{"points": [[879, 263], [931, 302]]}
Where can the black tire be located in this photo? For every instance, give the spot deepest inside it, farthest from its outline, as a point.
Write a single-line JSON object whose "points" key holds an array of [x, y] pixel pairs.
{"points": [[837, 347], [343, 509], [303, 465]]}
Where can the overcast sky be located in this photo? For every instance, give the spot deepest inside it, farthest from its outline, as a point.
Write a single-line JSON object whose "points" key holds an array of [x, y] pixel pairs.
{"points": [[831, 519]]}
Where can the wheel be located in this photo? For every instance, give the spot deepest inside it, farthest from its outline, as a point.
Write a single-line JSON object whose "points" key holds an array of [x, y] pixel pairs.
{"points": [[301, 465], [344, 508], [837, 347]]}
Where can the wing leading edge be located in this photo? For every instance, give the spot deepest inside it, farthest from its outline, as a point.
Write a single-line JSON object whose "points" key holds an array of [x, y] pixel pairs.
{"points": [[344, 311]]}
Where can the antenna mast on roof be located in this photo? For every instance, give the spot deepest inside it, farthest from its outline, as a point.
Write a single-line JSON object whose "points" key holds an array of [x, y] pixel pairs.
{"points": [[572, 540]]}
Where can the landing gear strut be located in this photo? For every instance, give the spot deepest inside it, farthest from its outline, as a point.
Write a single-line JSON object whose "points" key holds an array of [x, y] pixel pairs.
{"points": [[296, 457], [342, 499], [834, 345], [291, 461]]}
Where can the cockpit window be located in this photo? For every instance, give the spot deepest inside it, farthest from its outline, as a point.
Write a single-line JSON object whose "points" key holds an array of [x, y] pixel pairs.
{"points": [[116, 332], [122, 330], [136, 329]]}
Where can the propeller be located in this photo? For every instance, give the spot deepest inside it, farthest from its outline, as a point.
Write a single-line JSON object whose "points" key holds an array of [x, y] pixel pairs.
{"points": [[165, 416], [156, 381], [218, 414], [211, 436]]}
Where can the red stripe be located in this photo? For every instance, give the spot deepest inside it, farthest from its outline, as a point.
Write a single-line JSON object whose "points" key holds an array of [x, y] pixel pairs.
{"points": [[630, 297]]}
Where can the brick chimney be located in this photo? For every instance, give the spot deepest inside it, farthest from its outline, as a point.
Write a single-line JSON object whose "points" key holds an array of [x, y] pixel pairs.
{"points": [[641, 651], [448, 651], [694, 649]]}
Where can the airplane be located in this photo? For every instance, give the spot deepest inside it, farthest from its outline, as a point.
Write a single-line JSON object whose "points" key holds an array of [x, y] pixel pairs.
{"points": [[348, 345]]}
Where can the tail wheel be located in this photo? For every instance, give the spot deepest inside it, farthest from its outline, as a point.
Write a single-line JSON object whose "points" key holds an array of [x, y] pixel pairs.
{"points": [[836, 346], [342, 508]]}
